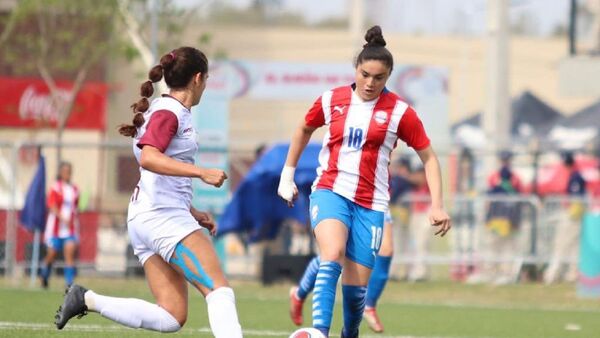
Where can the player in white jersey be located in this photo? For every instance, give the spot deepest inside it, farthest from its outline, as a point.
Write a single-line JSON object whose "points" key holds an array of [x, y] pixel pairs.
{"points": [[351, 192], [62, 226], [163, 227]]}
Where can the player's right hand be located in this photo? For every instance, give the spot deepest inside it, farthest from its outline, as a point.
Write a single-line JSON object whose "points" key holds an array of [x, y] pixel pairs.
{"points": [[214, 177], [287, 188], [206, 220]]}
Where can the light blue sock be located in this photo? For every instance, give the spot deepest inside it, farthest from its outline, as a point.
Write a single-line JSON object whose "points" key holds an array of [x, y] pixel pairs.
{"points": [[69, 274], [307, 283], [379, 277], [324, 295], [354, 306]]}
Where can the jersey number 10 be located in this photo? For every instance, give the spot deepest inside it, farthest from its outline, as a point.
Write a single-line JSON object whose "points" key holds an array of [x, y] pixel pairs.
{"points": [[376, 235]]}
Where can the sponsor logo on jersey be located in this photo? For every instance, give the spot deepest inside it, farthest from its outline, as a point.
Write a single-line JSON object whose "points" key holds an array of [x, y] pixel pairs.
{"points": [[339, 109]]}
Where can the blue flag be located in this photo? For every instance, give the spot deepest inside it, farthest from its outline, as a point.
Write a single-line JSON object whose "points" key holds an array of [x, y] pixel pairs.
{"points": [[33, 215]]}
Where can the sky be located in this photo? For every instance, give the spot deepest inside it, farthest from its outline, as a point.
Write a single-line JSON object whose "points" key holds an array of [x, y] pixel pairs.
{"points": [[426, 16]]}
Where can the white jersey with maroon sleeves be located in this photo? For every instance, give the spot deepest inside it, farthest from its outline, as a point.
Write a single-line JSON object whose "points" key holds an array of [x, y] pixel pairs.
{"points": [[355, 156], [167, 127], [64, 197]]}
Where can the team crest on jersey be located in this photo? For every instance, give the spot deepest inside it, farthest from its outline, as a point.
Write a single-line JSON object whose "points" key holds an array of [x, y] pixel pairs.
{"points": [[380, 117], [314, 212]]}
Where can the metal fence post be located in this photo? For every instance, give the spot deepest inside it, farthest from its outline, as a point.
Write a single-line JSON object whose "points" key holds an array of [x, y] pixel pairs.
{"points": [[11, 217]]}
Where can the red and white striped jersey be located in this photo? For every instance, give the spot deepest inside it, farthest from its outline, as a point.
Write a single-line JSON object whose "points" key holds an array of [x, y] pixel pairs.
{"points": [[354, 160], [167, 127], [64, 197]]}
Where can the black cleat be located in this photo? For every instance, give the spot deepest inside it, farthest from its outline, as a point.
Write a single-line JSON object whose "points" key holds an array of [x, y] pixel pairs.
{"points": [[73, 305], [44, 282]]}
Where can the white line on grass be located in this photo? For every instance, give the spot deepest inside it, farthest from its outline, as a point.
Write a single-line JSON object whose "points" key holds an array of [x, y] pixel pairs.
{"points": [[454, 304], [118, 328]]}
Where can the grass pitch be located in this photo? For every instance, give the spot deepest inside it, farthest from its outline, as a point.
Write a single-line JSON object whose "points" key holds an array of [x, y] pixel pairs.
{"points": [[433, 309]]}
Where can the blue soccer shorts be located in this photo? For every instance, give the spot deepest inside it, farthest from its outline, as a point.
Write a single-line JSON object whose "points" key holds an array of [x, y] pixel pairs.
{"points": [[57, 243], [365, 226]]}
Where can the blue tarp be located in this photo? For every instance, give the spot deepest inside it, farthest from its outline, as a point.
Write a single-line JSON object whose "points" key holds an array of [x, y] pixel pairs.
{"points": [[256, 209]]}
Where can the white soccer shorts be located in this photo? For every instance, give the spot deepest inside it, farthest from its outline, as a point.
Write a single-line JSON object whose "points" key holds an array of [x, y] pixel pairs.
{"points": [[159, 232]]}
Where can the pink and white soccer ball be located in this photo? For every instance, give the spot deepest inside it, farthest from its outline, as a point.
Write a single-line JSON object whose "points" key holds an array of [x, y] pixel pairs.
{"points": [[307, 332]]}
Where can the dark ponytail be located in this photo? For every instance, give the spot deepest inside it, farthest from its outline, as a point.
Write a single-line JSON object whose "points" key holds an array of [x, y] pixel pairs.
{"points": [[146, 90], [375, 49]]}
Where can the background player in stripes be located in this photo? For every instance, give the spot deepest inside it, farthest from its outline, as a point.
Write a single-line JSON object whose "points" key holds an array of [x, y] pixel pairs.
{"points": [[350, 193], [62, 226], [163, 227]]}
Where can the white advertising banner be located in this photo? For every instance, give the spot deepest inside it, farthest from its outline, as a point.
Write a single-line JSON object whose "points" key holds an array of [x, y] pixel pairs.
{"points": [[424, 87]]}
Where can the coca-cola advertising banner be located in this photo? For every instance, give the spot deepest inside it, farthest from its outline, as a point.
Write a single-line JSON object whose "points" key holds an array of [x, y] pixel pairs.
{"points": [[27, 103]]}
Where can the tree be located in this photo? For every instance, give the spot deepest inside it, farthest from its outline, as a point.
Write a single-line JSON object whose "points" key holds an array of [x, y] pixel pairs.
{"points": [[59, 40], [172, 21], [69, 40]]}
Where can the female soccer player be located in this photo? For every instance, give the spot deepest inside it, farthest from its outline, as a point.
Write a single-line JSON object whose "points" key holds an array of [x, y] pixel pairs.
{"points": [[62, 225], [350, 193], [163, 226], [377, 281]]}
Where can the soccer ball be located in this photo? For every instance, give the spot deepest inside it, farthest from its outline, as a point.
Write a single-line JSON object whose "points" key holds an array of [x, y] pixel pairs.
{"points": [[307, 332]]}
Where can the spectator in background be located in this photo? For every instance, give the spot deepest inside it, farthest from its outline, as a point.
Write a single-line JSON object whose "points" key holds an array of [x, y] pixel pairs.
{"points": [[62, 226], [595, 190], [464, 216], [502, 221], [259, 151], [400, 187], [566, 238], [419, 226], [400, 184]]}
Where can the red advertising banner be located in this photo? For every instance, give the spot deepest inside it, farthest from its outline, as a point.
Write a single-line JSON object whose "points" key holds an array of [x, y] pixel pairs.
{"points": [[27, 103]]}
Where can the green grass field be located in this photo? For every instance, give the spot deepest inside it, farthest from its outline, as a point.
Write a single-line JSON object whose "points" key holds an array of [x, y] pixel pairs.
{"points": [[435, 309]]}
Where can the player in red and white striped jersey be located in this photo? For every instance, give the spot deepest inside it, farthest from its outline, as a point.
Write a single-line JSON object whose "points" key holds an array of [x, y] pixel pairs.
{"points": [[351, 193], [62, 226]]}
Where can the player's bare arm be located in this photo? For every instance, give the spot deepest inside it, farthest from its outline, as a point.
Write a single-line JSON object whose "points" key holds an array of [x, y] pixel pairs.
{"points": [[287, 188], [437, 216], [154, 160]]}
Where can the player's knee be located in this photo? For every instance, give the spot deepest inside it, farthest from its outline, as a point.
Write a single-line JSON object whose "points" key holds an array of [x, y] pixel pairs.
{"points": [[386, 251], [333, 256], [178, 316], [181, 320]]}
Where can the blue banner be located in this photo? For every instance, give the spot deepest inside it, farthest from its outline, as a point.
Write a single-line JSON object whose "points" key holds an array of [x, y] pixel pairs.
{"points": [[589, 256]]}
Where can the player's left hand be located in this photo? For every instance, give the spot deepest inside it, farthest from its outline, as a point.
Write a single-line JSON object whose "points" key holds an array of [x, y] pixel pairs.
{"points": [[439, 218], [206, 220]]}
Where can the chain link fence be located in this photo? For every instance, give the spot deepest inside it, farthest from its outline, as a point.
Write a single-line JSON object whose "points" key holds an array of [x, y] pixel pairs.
{"points": [[478, 248]]}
